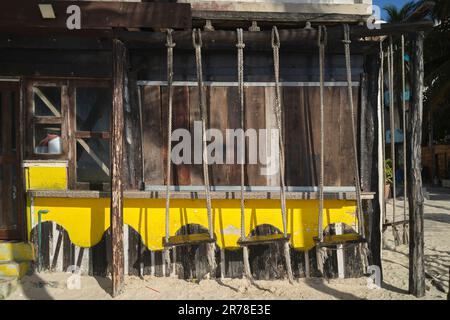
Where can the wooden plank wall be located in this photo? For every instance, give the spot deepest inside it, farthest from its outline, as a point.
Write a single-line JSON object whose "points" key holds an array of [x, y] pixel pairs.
{"points": [[300, 125]]}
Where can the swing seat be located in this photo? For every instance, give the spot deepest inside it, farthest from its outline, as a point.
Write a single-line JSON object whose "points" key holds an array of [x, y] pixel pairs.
{"points": [[335, 239], [267, 239], [188, 239]]}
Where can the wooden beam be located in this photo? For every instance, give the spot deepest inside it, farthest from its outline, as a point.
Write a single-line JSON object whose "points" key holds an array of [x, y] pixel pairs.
{"points": [[223, 17], [117, 128], [303, 38], [414, 166]]}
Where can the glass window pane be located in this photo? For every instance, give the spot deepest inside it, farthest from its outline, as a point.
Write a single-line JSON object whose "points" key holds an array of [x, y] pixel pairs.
{"points": [[47, 101], [93, 108], [47, 139], [93, 160]]}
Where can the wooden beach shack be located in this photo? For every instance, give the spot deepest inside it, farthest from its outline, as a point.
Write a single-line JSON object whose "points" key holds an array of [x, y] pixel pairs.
{"points": [[86, 117]]}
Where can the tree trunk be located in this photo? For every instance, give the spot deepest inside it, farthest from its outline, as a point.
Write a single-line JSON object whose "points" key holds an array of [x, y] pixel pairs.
{"points": [[369, 155], [415, 196]]}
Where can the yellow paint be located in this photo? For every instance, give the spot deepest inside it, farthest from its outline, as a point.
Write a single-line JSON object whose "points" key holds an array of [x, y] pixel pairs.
{"points": [[87, 219], [46, 178], [16, 251]]}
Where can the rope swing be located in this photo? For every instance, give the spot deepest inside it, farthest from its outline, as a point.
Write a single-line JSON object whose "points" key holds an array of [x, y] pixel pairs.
{"points": [[240, 59], [211, 247], [322, 40], [277, 111], [337, 242], [170, 45]]}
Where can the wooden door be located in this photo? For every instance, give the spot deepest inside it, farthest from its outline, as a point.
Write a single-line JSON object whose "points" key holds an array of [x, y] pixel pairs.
{"points": [[10, 187]]}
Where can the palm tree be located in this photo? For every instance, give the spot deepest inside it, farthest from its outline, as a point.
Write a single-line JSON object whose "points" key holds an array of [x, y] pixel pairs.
{"points": [[436, 58], [400, 15]]}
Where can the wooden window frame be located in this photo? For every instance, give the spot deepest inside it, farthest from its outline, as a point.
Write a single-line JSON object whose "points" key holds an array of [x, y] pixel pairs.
{"points": [[74, 134], [67, 120], [32, 120]]}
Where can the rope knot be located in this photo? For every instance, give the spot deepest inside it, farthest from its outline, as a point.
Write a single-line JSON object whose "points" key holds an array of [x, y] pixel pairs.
{"points": [[197, 38], [322, 36], [240, 39], [169, 42], [275, 38], [346, 39]]}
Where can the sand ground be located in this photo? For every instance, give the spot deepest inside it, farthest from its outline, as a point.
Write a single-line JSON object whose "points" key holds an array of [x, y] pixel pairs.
{"points": [[395, 269]]}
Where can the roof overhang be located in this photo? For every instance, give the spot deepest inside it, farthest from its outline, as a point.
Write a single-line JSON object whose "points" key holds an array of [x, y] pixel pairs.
{"points": [[28, 14]]}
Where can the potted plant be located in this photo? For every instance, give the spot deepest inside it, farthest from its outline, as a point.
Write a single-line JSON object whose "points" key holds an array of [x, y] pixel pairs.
{"points": [[388, 176]]}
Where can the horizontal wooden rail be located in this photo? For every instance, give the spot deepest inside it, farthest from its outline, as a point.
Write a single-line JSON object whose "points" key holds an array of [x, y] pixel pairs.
{"points": [[219, 195]]}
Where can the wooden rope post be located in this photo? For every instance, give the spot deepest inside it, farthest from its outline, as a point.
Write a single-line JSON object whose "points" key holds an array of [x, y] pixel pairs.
{"points": [[117, 126], [414, 166]]}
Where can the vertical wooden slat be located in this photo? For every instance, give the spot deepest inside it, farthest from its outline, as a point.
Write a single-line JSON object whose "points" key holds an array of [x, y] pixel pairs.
{"points": [[20, 144], [233, 122], [346, 150], [153, 139], [217, 115], [294, 159], [180, 121], [310, 129], [7, 110], [196, 173], [116, 168], [332, 125], [255, 118], [133, 154], [270, 123]]}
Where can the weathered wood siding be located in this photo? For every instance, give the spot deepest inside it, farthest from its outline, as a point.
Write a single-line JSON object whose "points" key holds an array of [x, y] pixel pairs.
{"points": [[301, 130]]}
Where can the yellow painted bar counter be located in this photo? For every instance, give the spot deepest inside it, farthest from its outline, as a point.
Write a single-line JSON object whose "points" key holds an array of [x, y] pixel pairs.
{"points": [[85, 215]]}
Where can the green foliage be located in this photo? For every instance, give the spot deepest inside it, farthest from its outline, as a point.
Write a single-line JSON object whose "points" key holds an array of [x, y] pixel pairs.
{"points": [[436, 57], [399, 15], [388, 171]]}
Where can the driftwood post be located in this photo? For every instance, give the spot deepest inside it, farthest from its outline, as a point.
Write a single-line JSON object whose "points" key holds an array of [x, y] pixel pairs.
{"points": [[415, 196], [369, 155], [116, 168]]}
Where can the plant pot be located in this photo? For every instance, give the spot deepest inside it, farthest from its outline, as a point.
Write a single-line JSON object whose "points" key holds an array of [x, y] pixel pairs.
{"points": [[387, 191]]}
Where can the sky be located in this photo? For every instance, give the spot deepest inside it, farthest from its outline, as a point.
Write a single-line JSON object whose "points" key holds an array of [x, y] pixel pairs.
{"points": [[382, 3]]}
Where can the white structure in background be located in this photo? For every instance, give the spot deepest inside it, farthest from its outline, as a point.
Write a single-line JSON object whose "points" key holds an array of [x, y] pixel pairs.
{"points": [[351, 7]]}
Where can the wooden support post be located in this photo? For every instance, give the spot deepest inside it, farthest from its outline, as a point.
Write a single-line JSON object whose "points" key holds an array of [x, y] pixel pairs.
{"points": [[369, 155], [117, 126], [414, 166]]}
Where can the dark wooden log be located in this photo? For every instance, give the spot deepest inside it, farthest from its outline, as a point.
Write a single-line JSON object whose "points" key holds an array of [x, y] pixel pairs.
{"points": [[119, 56], [369, 156], [414, 166], [261, 39]]}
